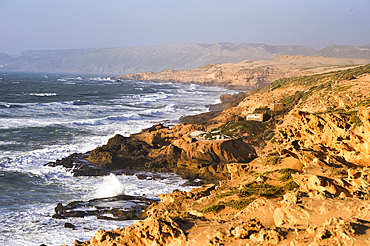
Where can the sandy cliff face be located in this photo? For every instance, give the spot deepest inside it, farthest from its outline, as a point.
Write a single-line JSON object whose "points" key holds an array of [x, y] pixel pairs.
{"points": [[249, 74]]}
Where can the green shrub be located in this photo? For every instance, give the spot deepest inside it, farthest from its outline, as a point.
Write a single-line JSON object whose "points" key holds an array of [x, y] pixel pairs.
{"points": [[316, 79], [287, 173], [343, 88], [229, 193], [263, 189], [213, 208], [355, 121], [290, 185], [271, 160], [239, 204], [268, 134]]}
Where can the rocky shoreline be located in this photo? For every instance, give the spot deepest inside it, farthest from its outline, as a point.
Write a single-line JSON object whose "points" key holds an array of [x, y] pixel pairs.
{"points": [[299, 178], [164, 149]]}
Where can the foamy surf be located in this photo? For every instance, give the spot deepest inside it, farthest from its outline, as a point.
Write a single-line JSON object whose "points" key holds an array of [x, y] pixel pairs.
{"points": [[70, 114], [110, 187]]}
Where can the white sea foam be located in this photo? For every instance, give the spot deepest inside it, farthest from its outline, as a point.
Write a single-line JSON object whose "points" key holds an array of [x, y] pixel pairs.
{"points": [[43, 94], [87, 125], [110, 187], [100, 79]]}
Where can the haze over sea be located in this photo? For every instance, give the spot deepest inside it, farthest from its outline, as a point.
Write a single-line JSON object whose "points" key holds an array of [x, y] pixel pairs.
{"points": [[44, 117]]}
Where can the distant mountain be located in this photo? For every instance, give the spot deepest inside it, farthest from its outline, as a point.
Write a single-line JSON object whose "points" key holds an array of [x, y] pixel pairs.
{"points": [[119, 61], [346, 51]]}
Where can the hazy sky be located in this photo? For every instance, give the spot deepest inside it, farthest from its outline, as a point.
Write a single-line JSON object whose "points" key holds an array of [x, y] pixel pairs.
{"points": [[70, 24]]}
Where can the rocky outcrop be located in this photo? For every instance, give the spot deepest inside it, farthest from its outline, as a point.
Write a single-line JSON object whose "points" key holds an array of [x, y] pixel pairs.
{"points": [[151, 231], [162, 149], [130, 208], [338, 231], [357, 185], [172, 149], [160, 228], [328, 140], [300, 218]]}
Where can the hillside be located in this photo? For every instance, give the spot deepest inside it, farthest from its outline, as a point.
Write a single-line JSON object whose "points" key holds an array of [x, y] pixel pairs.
{"points": [[250, 75], [126, 60], [362, 52]]}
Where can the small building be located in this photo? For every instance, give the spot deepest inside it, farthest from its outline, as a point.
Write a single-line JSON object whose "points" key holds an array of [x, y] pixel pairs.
{"points": [[258, 117]]}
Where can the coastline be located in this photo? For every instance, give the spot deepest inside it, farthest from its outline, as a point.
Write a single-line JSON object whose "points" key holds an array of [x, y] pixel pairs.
{"points": [[248, 74], [80, 118], [100, 162], [271, 198]]}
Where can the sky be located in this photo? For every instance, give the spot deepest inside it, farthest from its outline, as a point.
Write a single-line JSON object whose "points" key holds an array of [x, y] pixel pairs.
{"points": [[74, 24]]}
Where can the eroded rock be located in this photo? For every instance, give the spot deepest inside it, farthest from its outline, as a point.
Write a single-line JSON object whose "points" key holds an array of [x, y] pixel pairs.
{"points": [[172, 149], [345, 187], [122, 207], [338, 231], [151, 231], [329, 140]]}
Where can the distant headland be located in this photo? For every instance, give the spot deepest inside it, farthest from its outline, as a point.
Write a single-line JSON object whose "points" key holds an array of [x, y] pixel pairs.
{"points": [[128, 60]]}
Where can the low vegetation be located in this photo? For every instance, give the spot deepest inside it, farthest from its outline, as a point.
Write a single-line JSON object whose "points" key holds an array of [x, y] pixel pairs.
{"points": [[254, 190], [312, 80], [235, 204], [254, 132], [271, 160]]}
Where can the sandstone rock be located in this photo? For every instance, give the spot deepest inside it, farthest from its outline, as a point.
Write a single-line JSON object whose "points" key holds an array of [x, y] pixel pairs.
{"points": [[151, 231], [309, 183], [214, 152], [172, 149], [248, 228], [353, 186], [182, 200], [268, 236], [289, 215], [338, 231], [237, 170], [330, 138]]}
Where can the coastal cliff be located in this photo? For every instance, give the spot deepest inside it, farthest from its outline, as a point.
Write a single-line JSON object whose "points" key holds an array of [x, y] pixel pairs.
{"points": [[299, 178], [249, 75]]}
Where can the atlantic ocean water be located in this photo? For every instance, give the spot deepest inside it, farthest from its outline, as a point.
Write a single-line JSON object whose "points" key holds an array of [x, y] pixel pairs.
{"points": [[45, 117]]}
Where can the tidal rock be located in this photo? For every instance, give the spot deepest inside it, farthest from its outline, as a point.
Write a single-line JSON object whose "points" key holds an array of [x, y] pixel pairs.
{"points": [[69, 225], [120, 207]]}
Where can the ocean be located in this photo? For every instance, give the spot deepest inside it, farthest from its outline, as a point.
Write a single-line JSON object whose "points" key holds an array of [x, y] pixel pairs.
{"points": [[45, 117]]}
